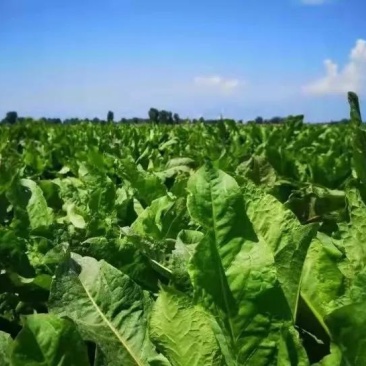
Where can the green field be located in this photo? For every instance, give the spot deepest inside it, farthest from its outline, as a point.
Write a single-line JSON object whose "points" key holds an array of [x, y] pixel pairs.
{"points": [[186, 245]]}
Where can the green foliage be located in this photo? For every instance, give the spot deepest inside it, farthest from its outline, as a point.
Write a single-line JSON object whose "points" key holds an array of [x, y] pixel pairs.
{"points": [[194, 244], [48, 340]]}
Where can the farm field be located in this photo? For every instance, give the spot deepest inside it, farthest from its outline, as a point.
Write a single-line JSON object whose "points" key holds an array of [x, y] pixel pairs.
{"points": [[186, 245]]}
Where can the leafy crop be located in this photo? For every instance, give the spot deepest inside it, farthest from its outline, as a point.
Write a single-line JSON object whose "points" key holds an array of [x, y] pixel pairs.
{"points": [[187, 245]]}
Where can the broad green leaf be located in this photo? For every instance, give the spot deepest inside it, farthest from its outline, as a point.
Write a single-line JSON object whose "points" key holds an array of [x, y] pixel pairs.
{"points": [[72, 189], [40, 215], [149, 222], [102, 199], [359, 137], [13, 254], [73, 217], [291, 351], [347, 325], [186, 242], [107, 307], [46, 340], [334, 281], [5, 344], [335, 269], [164, 218], [148, 186], [233, 272], [355, 234], [183, 331], [333, 359], [51, 193], [127, 255], [180, 162], [286, 237], [322, 281], [176, 166], [259, 170], [214, 202]]}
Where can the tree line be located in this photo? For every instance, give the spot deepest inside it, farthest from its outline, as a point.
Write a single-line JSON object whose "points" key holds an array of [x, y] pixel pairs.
{"points": [[155, 116]]}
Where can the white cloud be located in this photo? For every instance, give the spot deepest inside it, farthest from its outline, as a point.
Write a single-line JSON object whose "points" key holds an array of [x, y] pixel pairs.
{"points": [[217, 82], [351, 78]]}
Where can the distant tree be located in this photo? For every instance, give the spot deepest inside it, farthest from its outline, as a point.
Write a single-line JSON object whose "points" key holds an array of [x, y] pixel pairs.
{"points": [[259, 120], [275, 120], [154, 115], [170, 119], [95, 120], [11, 118], [51, 120], [110, 116], [176, 118], [123, 120], [163, 117], [71, 121]]}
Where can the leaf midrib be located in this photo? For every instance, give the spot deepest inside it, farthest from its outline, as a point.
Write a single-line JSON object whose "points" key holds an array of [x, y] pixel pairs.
{"points": [[221, 274], [113, 329]]}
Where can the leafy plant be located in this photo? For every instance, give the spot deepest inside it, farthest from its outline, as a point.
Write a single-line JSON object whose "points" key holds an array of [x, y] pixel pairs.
{"points": [[202, 244]]}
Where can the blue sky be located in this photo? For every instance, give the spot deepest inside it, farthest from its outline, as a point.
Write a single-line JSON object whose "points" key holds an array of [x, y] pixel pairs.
{"points": [[242, 58]]}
